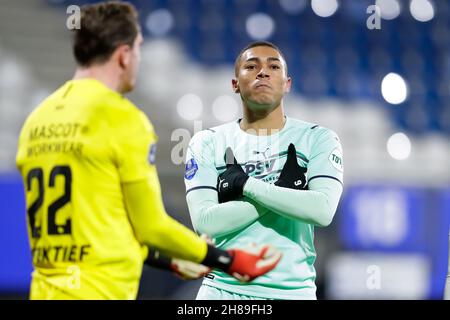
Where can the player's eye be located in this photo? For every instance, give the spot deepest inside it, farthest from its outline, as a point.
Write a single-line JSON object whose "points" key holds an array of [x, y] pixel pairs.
{"points": [[275, 67], [250, 67]]}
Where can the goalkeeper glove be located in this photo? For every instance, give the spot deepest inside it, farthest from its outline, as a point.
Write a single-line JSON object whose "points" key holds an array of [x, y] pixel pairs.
{"points": [[230, 183], [253, 262], [244, 264], [292, 176]]}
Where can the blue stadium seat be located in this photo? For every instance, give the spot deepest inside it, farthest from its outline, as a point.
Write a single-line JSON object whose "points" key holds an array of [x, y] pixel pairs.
{"points": [[335, 56]]}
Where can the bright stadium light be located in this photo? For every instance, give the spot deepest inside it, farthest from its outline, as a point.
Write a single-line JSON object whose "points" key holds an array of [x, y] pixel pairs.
{"points": [[422, 10], [399, 146], [225, 108], [394, 88], [260, 26], [293, 6], [390, 9], [324, 8], [190, 106], [159, 22]]}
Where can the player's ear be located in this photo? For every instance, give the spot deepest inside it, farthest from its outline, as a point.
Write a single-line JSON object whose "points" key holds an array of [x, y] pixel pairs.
{"points": [[124, 56], [287, 85], [235, 85]]}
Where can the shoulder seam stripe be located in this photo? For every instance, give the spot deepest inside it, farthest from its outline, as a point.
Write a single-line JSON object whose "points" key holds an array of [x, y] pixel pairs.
{"points": [[201, 187], [324, 176]]}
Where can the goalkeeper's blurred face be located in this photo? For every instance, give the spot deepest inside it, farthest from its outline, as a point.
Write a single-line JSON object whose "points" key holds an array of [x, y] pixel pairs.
{"points": [[129, 62], [261, 78]]}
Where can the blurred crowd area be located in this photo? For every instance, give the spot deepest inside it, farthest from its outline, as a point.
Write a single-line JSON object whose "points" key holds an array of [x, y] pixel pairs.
{"points": [[385, 90]]}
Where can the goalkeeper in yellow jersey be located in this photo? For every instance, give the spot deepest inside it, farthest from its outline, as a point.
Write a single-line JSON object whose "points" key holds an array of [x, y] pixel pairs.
{"points": [[94, 205]]}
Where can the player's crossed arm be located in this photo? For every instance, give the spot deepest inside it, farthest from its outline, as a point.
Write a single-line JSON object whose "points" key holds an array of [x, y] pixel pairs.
{"points": [[288, 196], [187, 251], [208, 213]]}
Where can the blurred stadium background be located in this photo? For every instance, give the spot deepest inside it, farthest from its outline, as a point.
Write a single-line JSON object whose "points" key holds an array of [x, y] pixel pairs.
{"points": [[384, 91]]}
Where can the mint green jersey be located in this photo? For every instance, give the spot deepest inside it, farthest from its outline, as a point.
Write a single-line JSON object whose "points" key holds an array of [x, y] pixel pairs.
{"points": [[263, 157]]}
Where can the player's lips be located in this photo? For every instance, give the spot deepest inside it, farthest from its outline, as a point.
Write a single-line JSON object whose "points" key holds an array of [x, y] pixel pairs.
{"points": [[262, 84]]}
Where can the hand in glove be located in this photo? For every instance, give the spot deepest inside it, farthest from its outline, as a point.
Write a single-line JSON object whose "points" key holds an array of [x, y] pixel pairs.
{"points": [[292, 176], [230, 183]]}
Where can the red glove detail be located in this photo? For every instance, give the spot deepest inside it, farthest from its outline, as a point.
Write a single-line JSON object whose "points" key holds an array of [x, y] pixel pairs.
{"points": [[253, 262]]}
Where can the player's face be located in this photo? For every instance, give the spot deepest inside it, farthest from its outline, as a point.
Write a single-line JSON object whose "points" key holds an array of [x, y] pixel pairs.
{"points": [[261, 79], [132, 67]]}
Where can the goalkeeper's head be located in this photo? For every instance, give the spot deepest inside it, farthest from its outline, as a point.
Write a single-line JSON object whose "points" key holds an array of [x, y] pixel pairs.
{"points": [[109, 37]]}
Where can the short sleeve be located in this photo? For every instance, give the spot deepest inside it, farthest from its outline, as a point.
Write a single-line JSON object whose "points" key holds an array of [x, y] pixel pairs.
{"points": [[134, 143], [326, 158], [200, 171]]}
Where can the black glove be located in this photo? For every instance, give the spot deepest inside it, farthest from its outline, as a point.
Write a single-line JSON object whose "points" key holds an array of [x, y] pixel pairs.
{"points": [[230, 183], [292, 176]]}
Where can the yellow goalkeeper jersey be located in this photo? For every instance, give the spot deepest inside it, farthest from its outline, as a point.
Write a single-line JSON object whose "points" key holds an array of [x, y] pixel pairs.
{"points": [[75, 150]]}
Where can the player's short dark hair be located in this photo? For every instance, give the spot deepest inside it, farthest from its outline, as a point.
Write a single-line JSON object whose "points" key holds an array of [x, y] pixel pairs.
{"points": [[104, 27], [257, 44]]}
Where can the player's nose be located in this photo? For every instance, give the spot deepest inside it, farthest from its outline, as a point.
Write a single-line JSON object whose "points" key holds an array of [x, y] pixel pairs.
{"points": [[262, 73]]}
